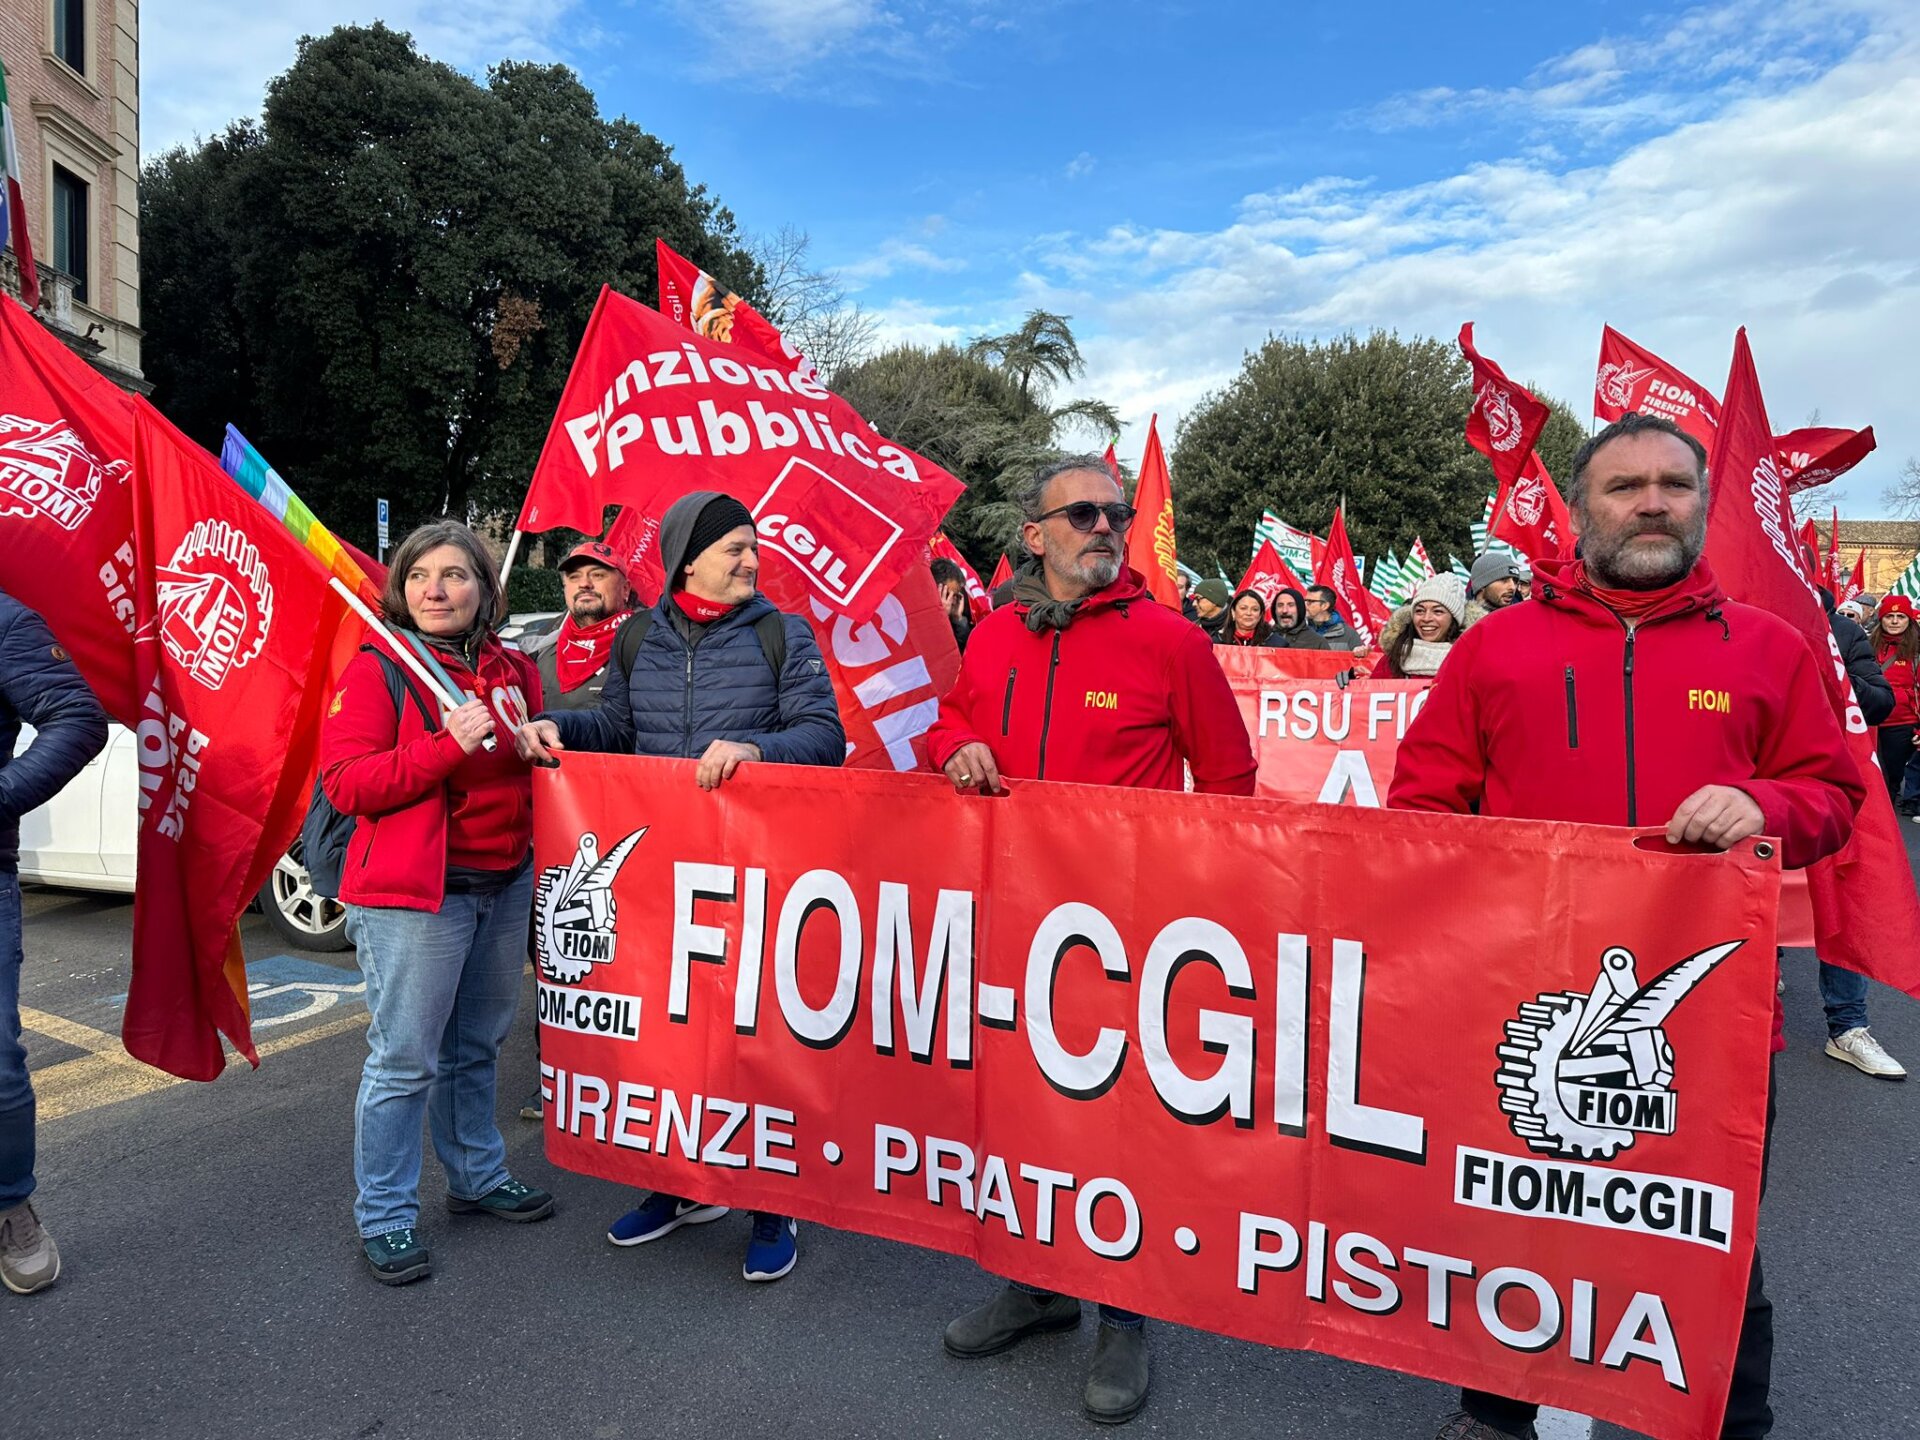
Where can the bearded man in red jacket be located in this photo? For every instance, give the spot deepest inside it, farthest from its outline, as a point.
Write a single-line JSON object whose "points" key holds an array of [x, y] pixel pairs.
{"points": [[1084, 677], [1637, 693]]}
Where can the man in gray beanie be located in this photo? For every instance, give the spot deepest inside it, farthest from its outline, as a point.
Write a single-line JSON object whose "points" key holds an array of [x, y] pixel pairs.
{"points": [[1495, 581], [712, 673]]}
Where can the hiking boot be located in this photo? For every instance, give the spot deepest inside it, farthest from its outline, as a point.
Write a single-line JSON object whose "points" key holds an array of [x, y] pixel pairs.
{"points": [[1007, 1319], [1117, 1380], [660, 1215], [1858, 1048], [1462, 1426], [533, 1107], [396, 1257], [29, 1260], [509, 1200], [773, 1249]]}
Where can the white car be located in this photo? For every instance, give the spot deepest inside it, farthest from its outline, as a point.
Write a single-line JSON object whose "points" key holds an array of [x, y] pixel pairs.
{"points": [[85, 839]]}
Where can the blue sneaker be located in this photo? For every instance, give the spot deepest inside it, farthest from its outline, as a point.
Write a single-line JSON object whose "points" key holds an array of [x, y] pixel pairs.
{"points": [[773, 1249], [659, 1215]]}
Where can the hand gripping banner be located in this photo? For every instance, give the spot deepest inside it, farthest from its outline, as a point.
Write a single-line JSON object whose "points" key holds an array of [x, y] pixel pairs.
{"points": [[1481, 1101]]}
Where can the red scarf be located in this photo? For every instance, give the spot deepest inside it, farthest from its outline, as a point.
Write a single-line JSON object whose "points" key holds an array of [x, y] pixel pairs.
{"points": [[581, 651], [1634, 605], [701, 612]]}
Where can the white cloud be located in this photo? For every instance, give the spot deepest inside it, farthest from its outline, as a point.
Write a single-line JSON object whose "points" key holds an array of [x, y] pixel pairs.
{"points": [[1791, 212], [1081, 165], [894, 256], [205, 63]]}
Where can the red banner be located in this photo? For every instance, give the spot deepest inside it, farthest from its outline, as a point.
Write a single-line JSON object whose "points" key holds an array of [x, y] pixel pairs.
{"points": [[1855, 585], [1150, 542], [1530, 515], [1314, 739], [1864, 894], [866, 1001], [1816, 455], [1632, 378], [650, 412], [66, 440], [1334, 567], [235, 628], [1505, 419]]}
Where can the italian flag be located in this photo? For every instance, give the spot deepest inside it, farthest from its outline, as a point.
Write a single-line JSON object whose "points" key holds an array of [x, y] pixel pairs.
{"points": [[14, 229]]}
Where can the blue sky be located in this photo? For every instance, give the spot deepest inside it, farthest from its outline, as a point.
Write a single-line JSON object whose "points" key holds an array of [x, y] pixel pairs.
{"points": [[1185, 179]]}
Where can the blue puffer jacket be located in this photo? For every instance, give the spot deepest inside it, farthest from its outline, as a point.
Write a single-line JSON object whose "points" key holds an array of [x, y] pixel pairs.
{"points": [[681, 697], [39, 685]]}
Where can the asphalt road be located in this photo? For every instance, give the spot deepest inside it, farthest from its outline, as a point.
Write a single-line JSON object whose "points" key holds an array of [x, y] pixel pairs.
{"points": [[213, 1285]]}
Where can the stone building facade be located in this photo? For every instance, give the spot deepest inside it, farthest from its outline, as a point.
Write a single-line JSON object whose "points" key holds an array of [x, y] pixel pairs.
{"points": [[73, 81]]}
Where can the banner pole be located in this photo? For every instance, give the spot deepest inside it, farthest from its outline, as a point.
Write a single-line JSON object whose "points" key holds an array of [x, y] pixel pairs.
{"points": [[403, 652], [506, 565]]}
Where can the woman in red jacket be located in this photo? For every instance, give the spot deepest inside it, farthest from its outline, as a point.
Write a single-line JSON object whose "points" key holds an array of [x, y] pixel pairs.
{"points": [[438, 884], [1897, 648], [1247, 622]]}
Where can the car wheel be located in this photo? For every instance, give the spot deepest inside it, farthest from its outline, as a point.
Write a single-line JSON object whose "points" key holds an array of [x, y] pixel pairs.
{"points": [[299, 915]]}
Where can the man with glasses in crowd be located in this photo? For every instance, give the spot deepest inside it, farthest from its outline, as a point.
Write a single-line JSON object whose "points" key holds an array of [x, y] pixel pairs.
{"points": [[1083, 677]]}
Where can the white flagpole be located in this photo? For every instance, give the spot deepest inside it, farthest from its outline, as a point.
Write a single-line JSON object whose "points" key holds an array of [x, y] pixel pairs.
{"points": [[513, 549], [404, 653]]}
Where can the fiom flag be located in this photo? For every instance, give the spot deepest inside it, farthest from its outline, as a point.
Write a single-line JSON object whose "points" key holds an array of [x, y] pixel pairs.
{"points": [[1150, 543], [1633, 378], [1268, 576], [1530, 516], [1505, 419]]}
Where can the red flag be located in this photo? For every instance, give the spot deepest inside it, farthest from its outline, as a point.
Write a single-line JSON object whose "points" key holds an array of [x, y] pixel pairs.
{"points": [[690, 297], [1856, 584], [1818, 454], [235, 627], [1505, 419], [1530, 515], [66, 440], [1113, 466], [650, 413], [1150, 546], [1632, 378], [978, 606], [1829, 571], [1268, 575], [1863, 895], [1358, 607], [1002, 573], [1810, 552]]}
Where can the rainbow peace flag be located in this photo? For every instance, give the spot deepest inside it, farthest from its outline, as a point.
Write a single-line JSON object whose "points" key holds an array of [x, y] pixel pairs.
{"points": [[253, 474]]}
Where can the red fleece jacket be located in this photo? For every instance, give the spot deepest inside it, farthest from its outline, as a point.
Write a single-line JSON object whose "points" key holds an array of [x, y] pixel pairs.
{"points": [[422, 804], [1120, 697]]}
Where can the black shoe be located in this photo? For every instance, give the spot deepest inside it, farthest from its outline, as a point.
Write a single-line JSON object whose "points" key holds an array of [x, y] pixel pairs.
{"points": [[396, 1257], [533, 1107], [1118, 1379], [1007, 1319], [509, 1200], [1462, 1426]]}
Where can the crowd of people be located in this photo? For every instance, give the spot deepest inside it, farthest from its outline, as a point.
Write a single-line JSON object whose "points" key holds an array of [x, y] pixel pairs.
{"points": [[438, 878]]}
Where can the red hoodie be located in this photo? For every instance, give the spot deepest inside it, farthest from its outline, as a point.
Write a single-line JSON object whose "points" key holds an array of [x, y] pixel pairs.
{"points": [[1120, 697], [1906, 687], [1554, 710], [422, 803]]}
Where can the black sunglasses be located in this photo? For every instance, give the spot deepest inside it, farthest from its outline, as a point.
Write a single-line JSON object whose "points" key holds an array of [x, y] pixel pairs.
{"points": [[1083, 513]]}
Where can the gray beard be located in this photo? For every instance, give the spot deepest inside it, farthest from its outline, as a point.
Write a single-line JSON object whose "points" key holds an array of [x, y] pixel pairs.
{"points": [[1621, 567]]}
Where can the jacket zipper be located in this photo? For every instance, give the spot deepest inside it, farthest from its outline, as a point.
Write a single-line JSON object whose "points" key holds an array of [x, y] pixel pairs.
{"points": [[1006, 706], [1573, 715], [686, 742], [1633, 804], [1046, 715]]}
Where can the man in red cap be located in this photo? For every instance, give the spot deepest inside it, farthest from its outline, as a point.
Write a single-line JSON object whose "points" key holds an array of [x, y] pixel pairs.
{"points": [[573, 659]]}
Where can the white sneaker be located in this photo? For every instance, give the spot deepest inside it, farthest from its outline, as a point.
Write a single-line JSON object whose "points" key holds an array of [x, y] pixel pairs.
{"points": [[1858, 1048]]}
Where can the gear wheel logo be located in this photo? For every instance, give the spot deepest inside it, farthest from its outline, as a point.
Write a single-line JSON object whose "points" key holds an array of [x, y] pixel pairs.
{"points": [[1584, 1075], [573, 910]]}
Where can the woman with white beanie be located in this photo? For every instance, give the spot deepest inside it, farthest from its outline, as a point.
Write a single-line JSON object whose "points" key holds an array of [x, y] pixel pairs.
{"points": [[1419, 636]]}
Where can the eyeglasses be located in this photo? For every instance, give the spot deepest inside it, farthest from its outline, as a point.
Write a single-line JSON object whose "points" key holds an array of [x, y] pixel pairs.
{"points": [[1083, 514]]}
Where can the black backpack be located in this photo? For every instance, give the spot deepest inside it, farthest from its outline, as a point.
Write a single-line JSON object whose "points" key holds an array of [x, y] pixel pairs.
{"points": [[325, 832], [770, 630]]}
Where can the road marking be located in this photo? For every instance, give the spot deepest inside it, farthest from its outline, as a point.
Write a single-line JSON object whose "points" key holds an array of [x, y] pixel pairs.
{"points": [[1563, 1425], [107, 1075]]}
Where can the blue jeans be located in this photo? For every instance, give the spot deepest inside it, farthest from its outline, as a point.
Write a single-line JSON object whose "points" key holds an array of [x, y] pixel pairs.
{"points": [[1844, 993], [442, 988], [16, 1090]]}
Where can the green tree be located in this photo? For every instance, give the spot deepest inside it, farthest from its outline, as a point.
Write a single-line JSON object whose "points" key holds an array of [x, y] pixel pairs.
{"points": [[984, 413], [1380, 421], [384, 281]]}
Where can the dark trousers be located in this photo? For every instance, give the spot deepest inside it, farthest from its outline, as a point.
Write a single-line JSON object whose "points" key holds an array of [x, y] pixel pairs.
{"points": [[1109, 1314], [16, 1090], [1896, 754], [1749, 1415]]}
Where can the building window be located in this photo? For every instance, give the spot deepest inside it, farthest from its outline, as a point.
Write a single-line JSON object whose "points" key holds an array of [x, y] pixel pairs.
{"points": [[70, 228], [70, 32]]}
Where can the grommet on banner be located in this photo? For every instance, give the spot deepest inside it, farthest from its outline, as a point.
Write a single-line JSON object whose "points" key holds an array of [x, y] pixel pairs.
{"points": [[1764, 850]]}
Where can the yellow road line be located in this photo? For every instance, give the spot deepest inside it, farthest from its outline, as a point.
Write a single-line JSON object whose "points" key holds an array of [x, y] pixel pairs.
{"points": [[109, 1075]]}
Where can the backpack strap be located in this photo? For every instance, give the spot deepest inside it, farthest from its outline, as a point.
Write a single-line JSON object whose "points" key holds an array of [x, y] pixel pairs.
{"points": [[397, 681], [770, 630]]}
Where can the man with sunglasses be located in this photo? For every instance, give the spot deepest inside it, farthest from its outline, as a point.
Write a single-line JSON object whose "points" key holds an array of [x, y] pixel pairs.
{"points": [[1084, 677]]}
